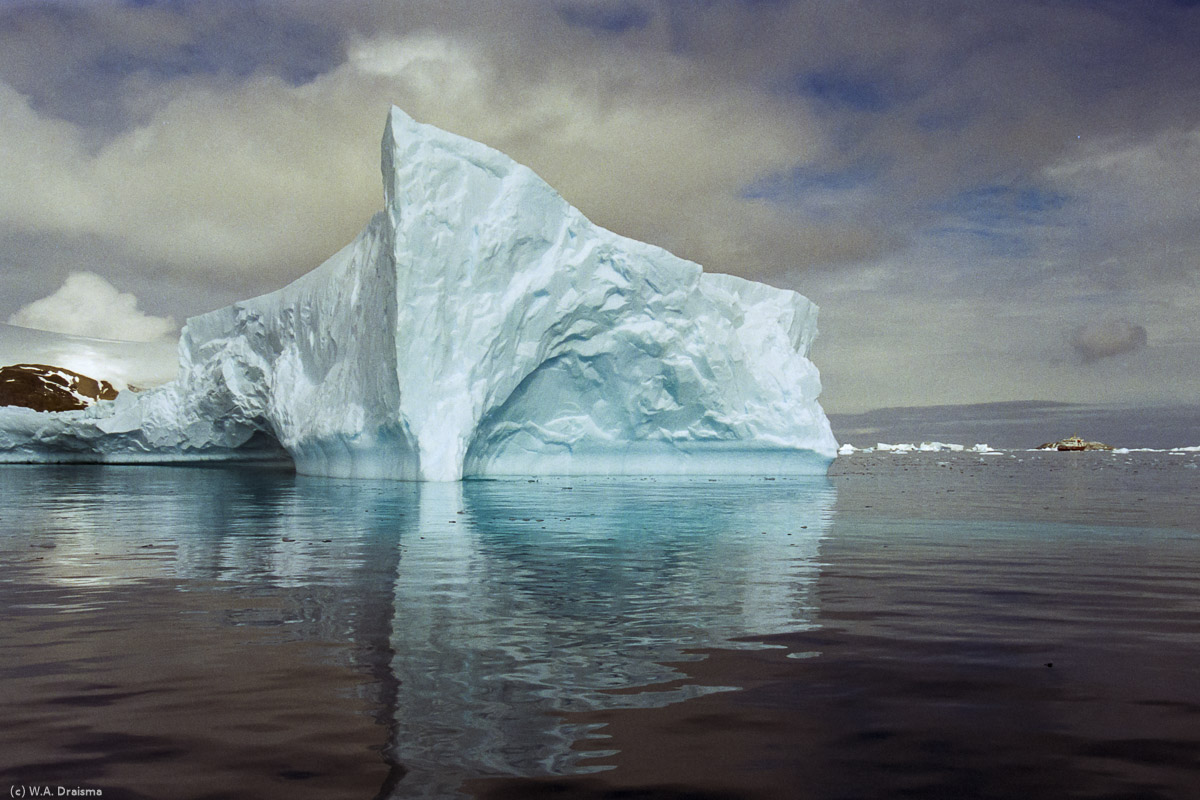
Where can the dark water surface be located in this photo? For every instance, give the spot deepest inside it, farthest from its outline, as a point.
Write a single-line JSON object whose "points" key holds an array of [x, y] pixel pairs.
{"points": [[920, 625]]}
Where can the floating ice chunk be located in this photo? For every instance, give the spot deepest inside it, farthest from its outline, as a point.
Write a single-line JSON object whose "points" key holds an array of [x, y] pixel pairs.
{"points": [[937, 447]]}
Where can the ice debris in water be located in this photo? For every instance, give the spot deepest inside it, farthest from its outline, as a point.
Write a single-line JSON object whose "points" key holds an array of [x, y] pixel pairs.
{"points": [[924, 447], [478, 326]]}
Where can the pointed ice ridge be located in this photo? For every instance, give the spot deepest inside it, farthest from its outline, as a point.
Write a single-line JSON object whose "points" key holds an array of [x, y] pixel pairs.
{"points": [[481, 326]]}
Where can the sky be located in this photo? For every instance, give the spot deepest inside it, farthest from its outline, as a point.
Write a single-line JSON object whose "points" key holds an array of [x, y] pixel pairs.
{"points": [[990, 202]]}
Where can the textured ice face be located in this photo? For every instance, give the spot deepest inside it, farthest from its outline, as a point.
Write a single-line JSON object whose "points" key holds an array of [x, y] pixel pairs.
{"points": [[481, 326]]}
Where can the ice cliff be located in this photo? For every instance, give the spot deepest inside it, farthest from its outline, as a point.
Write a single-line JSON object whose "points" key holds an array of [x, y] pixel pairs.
{"points": [[479, 326]]}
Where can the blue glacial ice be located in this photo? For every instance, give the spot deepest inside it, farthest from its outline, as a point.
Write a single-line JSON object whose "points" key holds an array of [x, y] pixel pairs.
{"points": [[480, 326]]}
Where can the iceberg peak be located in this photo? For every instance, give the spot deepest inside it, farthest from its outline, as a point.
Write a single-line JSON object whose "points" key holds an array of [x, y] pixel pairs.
{"points": [[481, 326]]}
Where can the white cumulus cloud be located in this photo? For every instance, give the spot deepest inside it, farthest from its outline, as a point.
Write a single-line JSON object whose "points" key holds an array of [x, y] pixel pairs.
{"points": [[88, 305]]}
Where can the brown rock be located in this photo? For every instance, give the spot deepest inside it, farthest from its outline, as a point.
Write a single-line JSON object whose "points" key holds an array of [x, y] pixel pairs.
{"points": [[46, 388]]}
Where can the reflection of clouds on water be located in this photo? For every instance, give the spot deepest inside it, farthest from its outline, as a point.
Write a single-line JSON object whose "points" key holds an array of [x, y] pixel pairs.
{"points": [[478, 610]]}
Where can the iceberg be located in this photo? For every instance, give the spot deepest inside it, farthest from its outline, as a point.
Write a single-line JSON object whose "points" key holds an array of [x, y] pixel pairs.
{"points": [[480, 326]]}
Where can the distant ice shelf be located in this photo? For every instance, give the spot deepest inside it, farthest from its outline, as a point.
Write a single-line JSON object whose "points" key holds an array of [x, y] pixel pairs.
{"points": [[479, 326]]}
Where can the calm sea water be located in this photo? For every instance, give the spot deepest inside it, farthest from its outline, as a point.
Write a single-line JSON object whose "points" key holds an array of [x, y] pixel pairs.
{"points": [[886, 632]]}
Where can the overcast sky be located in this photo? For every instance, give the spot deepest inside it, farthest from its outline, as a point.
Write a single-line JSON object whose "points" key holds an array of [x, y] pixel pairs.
{"points": [[989, 201]]}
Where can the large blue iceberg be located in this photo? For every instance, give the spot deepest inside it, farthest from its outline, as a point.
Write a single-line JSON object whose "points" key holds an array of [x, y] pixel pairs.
{"points": [[479, 326]]}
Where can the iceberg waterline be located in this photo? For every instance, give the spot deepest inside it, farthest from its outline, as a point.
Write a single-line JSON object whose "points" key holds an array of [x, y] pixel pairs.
{"points": [[479, 326]]}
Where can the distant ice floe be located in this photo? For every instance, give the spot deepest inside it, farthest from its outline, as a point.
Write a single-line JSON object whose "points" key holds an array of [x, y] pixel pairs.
{"points": [[986, 449], [923, 447]]}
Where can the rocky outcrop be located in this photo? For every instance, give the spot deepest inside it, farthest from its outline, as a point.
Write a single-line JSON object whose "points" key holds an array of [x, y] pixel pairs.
{"points": [[1074, 444], [46, 388]]}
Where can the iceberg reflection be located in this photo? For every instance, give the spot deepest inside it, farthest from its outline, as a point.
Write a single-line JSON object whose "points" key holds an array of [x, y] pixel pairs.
{"points": [[516, 601], [473, 614]]}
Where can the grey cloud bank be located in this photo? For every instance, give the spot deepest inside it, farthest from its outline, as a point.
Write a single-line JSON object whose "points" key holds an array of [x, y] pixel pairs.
{"points": [[968, 192]]}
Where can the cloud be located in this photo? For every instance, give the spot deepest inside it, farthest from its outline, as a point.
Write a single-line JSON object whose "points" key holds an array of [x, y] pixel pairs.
{"points": [[1097, 340], [839, 88], [1137, 205], [247, 163], [606, 17], [88, 305], [257, 183], [218, 184], [102, 54], [1024, 155]]}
